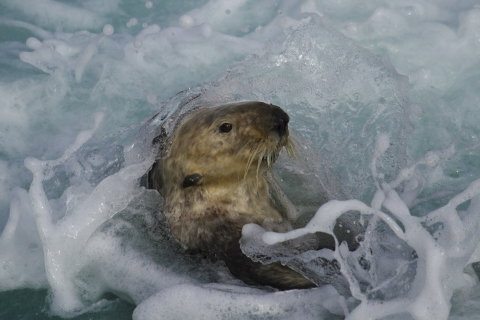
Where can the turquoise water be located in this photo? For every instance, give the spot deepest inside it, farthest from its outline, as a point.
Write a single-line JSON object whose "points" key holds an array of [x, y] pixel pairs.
{"points": [[345, 72], [30, 304]]}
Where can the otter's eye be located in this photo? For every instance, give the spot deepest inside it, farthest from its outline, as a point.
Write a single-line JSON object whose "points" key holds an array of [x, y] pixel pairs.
{"points": [[225, 127]]}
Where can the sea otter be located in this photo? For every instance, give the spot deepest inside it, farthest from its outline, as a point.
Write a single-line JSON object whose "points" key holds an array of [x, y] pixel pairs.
{"points": [[213, 182]]}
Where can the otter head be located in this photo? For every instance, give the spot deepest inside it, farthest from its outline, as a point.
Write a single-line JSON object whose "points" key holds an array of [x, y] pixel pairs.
{"points": [[225, 144]]}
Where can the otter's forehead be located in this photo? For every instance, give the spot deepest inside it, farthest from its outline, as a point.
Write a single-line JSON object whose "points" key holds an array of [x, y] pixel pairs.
{"points": [[249, 108], [250, 111]]}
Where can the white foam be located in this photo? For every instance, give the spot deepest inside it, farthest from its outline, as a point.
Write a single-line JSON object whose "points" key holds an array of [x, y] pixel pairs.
{"points": [[54, 13], [33, 43], [441, 259], [21, 250], [187, 301], [74, 230], [206, 30], [85, 56], [132, 22], [434, 43]]}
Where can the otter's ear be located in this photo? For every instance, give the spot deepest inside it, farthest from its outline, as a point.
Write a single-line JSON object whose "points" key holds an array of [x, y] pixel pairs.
{"points": [[192, 180]]}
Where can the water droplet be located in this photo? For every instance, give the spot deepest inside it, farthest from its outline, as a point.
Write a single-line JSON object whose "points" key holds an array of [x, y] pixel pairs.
{"points": [[108, 30], [132, 22], [185, 21]]}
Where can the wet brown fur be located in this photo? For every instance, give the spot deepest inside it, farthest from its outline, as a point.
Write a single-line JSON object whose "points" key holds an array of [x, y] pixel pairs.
{"points": [[227, 188]]}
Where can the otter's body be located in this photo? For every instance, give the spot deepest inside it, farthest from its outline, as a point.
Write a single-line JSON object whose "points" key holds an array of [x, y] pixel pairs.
{"points": [[213, 183]]}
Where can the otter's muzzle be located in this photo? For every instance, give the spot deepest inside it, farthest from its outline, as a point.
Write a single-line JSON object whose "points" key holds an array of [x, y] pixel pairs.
{"points": [[280, 121]]}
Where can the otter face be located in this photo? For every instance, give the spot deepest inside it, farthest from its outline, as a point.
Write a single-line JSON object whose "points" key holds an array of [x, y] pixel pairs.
{"points": [[227, 143]]}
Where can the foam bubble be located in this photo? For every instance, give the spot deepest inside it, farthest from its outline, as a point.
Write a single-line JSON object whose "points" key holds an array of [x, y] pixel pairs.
{"points": [[149, 5], [186, 22], [382, 144], [132, 22], [33, 43], [108, 30]]}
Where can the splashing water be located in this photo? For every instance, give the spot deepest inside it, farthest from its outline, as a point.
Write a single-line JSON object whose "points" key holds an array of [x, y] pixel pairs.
{"points": [[441, 255], [87, 228]]}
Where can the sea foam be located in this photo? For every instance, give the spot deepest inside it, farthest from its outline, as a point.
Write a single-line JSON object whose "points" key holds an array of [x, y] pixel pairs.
{"points": [[88, 227]]}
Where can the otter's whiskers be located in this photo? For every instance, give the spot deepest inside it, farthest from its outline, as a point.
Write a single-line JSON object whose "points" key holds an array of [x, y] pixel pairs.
{"points": [[250, 160], [290, 146]]}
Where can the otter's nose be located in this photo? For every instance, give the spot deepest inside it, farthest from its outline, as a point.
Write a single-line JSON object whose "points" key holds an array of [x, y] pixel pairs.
{"points": [[280, 121]]}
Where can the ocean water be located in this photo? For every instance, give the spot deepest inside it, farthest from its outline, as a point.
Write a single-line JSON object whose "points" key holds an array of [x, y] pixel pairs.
{"points": [[383, 98]]}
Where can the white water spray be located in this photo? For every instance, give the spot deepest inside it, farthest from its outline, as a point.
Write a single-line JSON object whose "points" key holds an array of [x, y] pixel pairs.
{"points": [[441, 256], [330, 89], [64, 240]]}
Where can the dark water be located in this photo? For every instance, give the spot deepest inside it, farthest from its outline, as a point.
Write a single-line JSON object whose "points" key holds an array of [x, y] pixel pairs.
{"points": [[26, 304]]}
